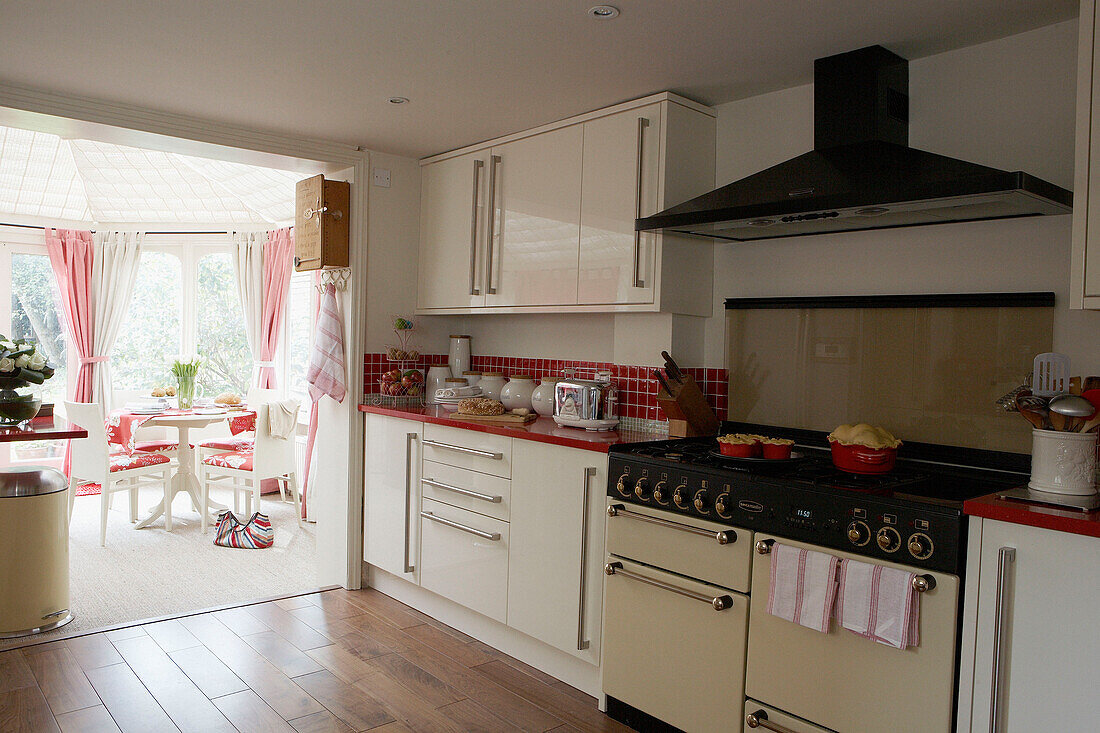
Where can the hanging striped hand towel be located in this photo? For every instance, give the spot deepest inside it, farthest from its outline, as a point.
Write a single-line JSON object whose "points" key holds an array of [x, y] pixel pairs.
{"points": [[256, 534]]}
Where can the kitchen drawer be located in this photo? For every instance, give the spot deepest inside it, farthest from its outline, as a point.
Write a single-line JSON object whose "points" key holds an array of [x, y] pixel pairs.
{"points": [[470, 449], [459, 487], [684, 545], [464, 557]]}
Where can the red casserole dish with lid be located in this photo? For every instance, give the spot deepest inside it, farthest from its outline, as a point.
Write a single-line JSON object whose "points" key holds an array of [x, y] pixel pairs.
{"points": [[861, 459]]}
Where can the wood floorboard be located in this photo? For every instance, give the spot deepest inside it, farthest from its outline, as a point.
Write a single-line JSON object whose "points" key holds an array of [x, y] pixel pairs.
{"points": [[335, 661]]}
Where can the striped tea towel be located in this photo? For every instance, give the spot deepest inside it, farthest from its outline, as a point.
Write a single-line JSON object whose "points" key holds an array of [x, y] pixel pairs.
{"points": [[256, 534], [326, 363], [879, 603], [803, 586]]}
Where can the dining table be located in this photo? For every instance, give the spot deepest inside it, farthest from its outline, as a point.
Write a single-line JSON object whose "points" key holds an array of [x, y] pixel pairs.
{"points": [[122, 426]]}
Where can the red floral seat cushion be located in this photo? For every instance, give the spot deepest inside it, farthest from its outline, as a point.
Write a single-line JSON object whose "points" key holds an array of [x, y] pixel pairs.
{"points": [[237, 460], [123, 462], [157, 446], [230, 444]]}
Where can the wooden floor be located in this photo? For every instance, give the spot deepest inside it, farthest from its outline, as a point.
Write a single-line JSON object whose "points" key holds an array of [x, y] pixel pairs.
{"points": [[332, 661]]}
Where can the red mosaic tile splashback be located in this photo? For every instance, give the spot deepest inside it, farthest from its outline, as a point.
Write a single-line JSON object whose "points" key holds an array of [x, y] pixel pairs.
{"points": [[637, 387]]}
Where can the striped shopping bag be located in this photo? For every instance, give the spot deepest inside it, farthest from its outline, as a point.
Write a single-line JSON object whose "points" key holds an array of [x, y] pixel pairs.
{"points": [[256, 534]]}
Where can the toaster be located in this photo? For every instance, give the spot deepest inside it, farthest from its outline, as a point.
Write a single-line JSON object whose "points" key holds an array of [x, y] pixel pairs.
{"points": [[587, 399]]}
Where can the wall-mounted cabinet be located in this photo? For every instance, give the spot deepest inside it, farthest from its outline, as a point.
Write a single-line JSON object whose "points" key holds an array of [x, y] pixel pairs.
{"points": [[543, 221], [1084, 289]]}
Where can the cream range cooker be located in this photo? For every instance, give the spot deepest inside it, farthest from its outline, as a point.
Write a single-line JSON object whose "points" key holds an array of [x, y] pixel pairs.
{"points": [[687, 642]]}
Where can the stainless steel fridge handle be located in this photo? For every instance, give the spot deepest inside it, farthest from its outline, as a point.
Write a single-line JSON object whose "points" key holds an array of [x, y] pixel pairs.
{"points": [[463, 449], [478, 165], [494, 536], [639, 182], [459, 490], [409, 438], [1006, 556], [723, 537], [718, 603], [582, 642], [759, 719]]}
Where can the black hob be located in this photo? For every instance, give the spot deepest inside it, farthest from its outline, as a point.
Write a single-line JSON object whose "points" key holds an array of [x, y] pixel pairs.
{"points": [[911, 515]]}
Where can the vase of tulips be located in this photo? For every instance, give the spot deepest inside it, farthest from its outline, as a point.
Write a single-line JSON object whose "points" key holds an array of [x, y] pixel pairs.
{"points": [[185, 373], [22, 369]]}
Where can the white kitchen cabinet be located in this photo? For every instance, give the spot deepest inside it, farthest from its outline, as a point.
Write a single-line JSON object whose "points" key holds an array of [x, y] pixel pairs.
{"points": [[1084, 288], [555, 569], [453, 220], [1048, 650], [559, 233], [535, 220], [392, 494]]}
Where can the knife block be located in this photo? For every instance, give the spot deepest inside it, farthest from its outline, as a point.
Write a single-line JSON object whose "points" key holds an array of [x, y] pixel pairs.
{"points": [[688, 413]]}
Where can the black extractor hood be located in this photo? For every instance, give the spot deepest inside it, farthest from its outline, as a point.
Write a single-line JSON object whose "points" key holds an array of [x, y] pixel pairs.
{"points": [[861, 174]]}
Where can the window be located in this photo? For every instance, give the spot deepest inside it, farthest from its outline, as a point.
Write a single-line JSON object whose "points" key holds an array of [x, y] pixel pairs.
{"points": [[301, 304], [221, 339], [150, 337], [34, 315]]}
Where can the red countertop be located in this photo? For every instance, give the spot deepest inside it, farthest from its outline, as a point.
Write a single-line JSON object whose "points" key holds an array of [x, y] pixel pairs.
{"points": [[543, 430], [1063, 520], [42, 428]]}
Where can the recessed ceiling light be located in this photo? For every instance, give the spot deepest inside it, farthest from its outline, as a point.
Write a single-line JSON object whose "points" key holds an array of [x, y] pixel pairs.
{"points": [[399, 100], [603, 12]]}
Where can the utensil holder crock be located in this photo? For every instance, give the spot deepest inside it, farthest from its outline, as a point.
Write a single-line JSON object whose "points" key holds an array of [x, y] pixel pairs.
{"points": [[1062, 462]]}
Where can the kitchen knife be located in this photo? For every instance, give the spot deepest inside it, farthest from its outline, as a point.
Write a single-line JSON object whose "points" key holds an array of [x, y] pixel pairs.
{"points": [[673, 370], [664, 382]]}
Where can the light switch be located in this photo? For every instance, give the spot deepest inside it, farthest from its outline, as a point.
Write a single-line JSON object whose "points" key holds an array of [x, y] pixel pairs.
{"points": [[381, 177]]}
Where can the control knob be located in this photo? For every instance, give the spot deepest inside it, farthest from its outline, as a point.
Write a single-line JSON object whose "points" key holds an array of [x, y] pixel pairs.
{"points": [[888, 539], [621, 486], [721, 505], [920, 546], [859, 533], [700, 501], [640, 487], [660, 493], [679, 496]]}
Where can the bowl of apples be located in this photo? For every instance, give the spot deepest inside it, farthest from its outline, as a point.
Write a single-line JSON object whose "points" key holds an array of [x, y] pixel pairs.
{"points": [[407, 384]]}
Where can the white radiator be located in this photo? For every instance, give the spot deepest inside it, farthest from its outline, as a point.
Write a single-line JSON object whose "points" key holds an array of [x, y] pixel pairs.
{"points": [[300, 458]]}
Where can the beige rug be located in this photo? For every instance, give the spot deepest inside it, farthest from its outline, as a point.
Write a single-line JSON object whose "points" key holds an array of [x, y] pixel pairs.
{"points": [[148, 573]]}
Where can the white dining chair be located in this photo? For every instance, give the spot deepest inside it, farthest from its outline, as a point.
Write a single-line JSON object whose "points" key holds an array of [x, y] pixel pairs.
{"points": [[271, 457], [221, 444], [93, 462]]}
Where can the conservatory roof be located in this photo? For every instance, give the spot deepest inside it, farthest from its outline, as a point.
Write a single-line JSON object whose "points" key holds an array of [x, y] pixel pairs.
{"points": [[50, 177]]}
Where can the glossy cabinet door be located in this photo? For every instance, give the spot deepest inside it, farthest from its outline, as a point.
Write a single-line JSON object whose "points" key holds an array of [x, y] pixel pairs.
{"points": [[392, 495], [1046, 582], [620, 181], [555, 570], [534, 231], [453, 218]]}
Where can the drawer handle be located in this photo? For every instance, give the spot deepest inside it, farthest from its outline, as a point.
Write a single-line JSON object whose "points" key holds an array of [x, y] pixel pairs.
{"points": [[921, 583], [494, 536], [719, 603], [759, 719], [460, 490], [464, 449], [724, 537]]}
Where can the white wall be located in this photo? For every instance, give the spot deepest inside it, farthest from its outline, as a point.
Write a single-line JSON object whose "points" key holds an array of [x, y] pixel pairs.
{"points": [[1008, 103]]}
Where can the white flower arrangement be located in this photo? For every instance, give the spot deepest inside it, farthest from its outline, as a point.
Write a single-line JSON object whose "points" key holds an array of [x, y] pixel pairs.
{"points": [[22, 364]]}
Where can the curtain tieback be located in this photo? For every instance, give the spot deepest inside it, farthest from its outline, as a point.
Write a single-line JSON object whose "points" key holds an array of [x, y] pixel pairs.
{"points": [[263, 364], [92, 359]]}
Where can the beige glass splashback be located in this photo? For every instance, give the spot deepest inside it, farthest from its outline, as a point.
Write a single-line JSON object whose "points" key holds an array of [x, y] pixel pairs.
{"points": [[930, 375]]}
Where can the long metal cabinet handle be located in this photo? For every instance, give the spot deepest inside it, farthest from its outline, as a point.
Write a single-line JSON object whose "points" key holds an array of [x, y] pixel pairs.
{"points": [[464, 449], [759, 719], [409, 438], [639, 181], [1006, 556], [494, 536], [719, 603], [478, 165], [459, 490], [494, 162], [921, 583], [723, 537], [583, 643]]}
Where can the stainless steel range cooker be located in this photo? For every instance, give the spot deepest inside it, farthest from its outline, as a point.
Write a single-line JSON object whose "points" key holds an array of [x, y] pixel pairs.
{"points": [[687, 642]]}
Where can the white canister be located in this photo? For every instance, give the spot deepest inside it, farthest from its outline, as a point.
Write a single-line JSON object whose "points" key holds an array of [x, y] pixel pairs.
{"points": [[472, 378], [437, 380], [491, 383], [459, 355], [1063, 463], [517, 393], [542, 399]]}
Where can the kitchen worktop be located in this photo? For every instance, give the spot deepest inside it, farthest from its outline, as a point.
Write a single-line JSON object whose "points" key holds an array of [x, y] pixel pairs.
{"points": [[1063, 520], [542, 430], [42, 428]]}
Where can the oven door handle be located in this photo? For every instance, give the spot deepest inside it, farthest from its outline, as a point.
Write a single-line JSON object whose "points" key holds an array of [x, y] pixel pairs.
{"points": [[724, 537], [718, 603], [759, 719], [921, 583]]}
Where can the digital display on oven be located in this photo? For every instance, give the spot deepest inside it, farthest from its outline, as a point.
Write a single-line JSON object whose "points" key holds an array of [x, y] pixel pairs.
{"points": [[802, 513]]}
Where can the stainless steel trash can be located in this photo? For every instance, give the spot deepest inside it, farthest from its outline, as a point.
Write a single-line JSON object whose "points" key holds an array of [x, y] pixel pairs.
{"points": [[34, 551]]}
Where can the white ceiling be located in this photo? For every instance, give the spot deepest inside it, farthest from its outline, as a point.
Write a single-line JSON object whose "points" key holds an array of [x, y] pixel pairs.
{"points": [[474, 69]]}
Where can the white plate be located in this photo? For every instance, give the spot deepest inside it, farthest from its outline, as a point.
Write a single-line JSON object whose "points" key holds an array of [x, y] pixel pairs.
{"points": [[209, 411], [572, 422], [148, 410]]}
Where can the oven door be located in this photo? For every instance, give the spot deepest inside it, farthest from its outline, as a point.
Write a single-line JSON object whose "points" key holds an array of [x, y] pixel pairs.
{"points": [[673, 647], [845, 682]]}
